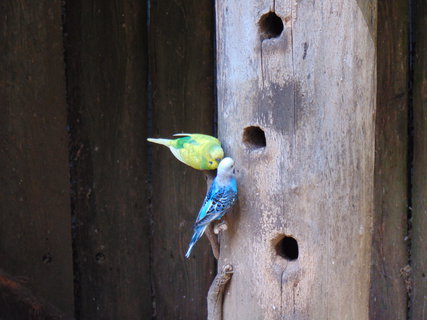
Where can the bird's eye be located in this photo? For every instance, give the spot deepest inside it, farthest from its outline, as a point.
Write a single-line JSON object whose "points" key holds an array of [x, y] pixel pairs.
{"points": [[210, 162]]}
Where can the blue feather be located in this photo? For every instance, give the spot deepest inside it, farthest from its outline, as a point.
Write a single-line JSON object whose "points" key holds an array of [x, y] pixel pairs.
{"points": [[198, 232], [218, 200]]}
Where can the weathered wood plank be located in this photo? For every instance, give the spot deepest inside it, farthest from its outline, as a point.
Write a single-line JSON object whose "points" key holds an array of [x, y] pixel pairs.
{"points": [[106, 64], [312, 91], [181, 62], [390, 250], [35, 234], [18, 302], [419, 224]]}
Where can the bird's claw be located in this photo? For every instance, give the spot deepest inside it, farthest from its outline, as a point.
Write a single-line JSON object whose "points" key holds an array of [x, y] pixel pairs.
{"points": [[222, 226], [228, 268]]}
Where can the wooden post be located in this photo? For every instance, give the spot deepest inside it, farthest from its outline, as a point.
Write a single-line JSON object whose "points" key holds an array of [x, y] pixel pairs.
{"points": [[297, 88], [419, 239], [35, 234]]}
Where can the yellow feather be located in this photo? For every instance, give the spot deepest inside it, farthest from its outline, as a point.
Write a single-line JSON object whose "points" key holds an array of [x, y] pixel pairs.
{"points": [[199, 151]]}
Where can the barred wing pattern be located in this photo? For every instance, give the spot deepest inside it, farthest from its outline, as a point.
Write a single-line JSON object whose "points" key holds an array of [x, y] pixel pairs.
{"points": [[223, 200]]}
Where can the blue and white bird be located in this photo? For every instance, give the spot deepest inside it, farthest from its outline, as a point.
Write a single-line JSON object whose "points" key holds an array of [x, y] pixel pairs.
{"points": [[220, 198]]}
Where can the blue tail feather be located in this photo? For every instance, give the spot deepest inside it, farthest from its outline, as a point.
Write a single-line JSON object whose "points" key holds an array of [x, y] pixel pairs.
{"points": [[198, 232]]}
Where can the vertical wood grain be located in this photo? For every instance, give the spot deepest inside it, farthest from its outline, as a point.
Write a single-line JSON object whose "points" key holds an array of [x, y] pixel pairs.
{"points": [[106, 48], [313, 91], [181, 66], [35, 234], [390, 242], [419, 191]]}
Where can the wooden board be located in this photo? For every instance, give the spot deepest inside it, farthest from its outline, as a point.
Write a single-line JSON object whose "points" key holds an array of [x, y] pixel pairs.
{"points": [[419, 224], [312, 90], [181, 66], [106, 67], [35, 235], [390, 242]]}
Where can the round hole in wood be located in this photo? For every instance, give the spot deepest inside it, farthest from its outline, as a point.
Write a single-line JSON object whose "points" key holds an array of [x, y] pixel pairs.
{"points": [[287, 248], [254, 137], [271, 26]]}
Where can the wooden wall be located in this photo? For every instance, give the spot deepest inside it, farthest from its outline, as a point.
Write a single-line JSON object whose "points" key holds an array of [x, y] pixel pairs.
{"points": [[94, 221], [92, 218], [418, 305], [390, 242], [35, 233], [106, 53], [182, 101]]}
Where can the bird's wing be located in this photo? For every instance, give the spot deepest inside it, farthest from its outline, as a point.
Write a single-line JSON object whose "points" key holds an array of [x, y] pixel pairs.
{"points": [[206, 204], [217, 206]]}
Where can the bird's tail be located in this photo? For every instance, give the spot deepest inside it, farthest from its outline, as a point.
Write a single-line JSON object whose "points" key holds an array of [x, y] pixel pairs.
{"points": [[165, 142], [198, 232]]}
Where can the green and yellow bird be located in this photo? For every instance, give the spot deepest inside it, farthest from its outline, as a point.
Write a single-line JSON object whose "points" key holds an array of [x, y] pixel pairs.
{"points": [[199, 151]]}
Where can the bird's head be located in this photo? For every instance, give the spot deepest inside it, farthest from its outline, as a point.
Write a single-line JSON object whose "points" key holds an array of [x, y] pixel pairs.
{"points": [[226, 167], [216, 155]]}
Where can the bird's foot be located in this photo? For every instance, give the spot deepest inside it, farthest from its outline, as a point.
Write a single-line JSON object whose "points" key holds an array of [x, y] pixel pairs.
{"points": [[222, 226], [228, 268]]}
